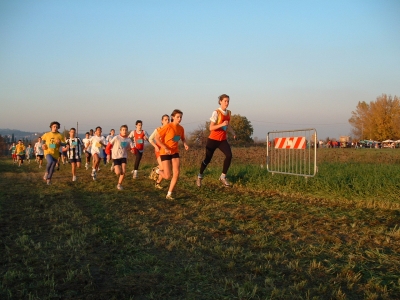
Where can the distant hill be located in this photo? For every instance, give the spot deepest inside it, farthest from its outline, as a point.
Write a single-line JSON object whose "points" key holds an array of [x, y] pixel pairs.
{"points": [[23, 135]]}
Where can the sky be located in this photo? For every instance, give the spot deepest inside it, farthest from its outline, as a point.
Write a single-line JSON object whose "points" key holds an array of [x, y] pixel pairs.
{"points": [[286, 65]]}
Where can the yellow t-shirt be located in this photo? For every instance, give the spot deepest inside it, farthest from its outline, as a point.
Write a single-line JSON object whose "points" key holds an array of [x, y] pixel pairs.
{"points": [[20, 149], [53, 147]]}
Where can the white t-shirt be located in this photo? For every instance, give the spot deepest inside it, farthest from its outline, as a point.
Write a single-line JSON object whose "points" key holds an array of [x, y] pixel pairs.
{"points": [[38, 148], [214, 116], [96, 147], [109, 138], [86, 143], [120, 147]]}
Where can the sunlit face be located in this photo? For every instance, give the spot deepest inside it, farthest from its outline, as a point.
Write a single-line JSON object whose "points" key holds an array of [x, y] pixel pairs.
{"points": [[123, 131], [224, 103], [72, 133], [98, 132], [139, 126], [178, 118], [165, 120], [54, 128], [112, 132]]}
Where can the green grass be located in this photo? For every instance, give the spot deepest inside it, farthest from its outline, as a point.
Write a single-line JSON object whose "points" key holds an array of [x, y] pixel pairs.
{"points": [[334, 236]]}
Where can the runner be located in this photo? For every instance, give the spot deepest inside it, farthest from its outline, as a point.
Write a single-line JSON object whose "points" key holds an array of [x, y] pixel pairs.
{"points": [[88, 154], [20, 151], [39, 152], [13, 154], [108, 139], [155, 171], [74, 149], [168, 137], [29, 153], [117, 151], [97, 143], [218, 139], [139, 136], [52, 142]]}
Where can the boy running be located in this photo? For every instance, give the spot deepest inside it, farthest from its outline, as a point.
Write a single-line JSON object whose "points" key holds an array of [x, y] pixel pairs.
{"points": [[13, 154], [20, 151], [88, 155], [52, 142], [29, 153], [39, 152], [74, 149], [118, 148]]}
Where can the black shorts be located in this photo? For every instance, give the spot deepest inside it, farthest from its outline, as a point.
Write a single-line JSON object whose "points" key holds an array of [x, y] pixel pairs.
{"points": [[119, 161], [64, 153], [40, 156], [169, 157], [88, 154], [20, 157], [74, 160]]}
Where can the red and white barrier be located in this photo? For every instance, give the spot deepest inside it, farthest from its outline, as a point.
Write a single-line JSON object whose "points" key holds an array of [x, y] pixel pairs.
{"points": [[298, 142]]}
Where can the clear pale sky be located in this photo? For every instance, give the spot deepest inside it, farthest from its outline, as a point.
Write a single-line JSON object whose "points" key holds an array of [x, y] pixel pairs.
{"points": [[284, 64]]}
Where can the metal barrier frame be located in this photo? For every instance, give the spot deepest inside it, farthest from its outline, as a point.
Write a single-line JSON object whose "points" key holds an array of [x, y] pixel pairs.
{"points": [[292, 154]]}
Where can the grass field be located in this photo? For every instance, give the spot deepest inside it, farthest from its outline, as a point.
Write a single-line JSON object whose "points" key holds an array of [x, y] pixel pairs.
{"points": [[334, 236]]}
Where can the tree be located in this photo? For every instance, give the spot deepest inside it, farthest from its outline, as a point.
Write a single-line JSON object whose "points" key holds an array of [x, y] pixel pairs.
{"points": [[242, 128], [378, 120], [198, 137]]}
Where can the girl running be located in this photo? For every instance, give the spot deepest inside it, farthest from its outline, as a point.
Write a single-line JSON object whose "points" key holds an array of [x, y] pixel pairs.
{"points": [[218, 139], [118, 148], [167, 137], [154, 172], [138, 136], [51, 144]]}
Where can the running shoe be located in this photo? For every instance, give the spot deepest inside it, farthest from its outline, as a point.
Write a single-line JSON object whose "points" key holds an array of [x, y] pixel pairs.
{"points": [[225, 181], [73, 178], [158, 186], [198, 181], [169, 197], [119, 187], [45, 176]]}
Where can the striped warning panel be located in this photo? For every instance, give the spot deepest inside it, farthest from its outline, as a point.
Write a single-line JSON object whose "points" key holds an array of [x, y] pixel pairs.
{"points": [[298, 142]]}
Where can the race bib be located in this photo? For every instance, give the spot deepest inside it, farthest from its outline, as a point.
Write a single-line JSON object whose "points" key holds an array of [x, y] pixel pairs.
{"points": [[223, 128], [74, 143], [177, 138], [98, 145], [139, 141], [52, 146], [124, 144]]}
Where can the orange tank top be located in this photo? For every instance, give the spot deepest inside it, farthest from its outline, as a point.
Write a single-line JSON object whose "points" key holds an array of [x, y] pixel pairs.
{"points": [[220, 133]]}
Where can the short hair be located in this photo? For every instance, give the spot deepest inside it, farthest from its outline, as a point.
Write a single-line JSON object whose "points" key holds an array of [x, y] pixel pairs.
{"points": [[98, 127], [122, 126], [55, 123], [139, 121], [72, 128], [87, 132], [176, 111]]}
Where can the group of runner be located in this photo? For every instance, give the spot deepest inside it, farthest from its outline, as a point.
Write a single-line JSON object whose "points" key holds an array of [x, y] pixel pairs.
{"points": [[114, 148]]}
